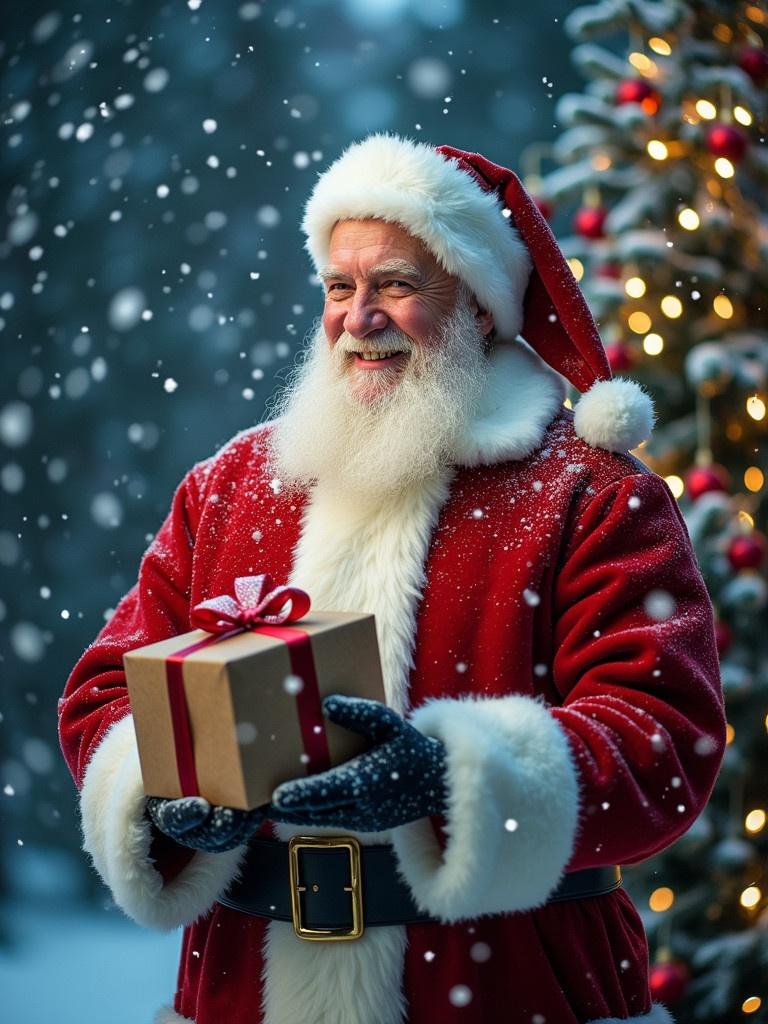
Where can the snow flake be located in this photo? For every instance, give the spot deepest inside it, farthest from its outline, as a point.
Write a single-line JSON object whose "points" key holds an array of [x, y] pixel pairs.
{"points": [[210, 125], [429, 956], [511, 825], [8, 790], [633, 501], [531, 597], [705, 745], [480, 952], [659, 605], [293, 684], [245, 733], [170, 385], [460, 995], [540, 669]]}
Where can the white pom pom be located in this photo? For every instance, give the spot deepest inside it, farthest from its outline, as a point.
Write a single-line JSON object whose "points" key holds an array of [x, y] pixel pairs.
{"points": [[614, 414]]}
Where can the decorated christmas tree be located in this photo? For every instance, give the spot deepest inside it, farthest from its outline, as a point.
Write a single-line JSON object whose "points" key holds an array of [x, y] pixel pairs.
{"points": [[661, 164]]}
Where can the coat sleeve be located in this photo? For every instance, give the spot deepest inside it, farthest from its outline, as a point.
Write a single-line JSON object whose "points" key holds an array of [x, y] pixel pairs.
{"points": [[622, 763], [155, 881], [636, 665]]}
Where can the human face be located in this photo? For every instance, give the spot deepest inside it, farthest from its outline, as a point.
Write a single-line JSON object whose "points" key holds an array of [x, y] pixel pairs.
{"points": [[381, 280]]}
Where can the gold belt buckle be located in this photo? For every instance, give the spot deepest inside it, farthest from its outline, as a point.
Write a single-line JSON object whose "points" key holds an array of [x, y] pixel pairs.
{"points": [[297, 843]]}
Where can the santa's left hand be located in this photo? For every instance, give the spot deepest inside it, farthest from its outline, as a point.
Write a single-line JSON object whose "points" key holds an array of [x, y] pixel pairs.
{"points": [[400, 779]]}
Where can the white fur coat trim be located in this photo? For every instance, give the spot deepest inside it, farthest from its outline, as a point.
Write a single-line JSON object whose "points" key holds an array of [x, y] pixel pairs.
{"points": [[658, 1015], [390, 178], [512, 812], [117, 836], [521, 398]]}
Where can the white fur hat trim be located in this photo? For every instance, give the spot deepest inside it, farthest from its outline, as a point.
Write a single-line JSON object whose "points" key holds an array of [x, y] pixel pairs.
{"points": [[614, 414], [386, 177]]}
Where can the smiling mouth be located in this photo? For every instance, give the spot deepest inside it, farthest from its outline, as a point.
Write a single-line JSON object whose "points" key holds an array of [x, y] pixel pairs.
{"points": [[366, 358]]}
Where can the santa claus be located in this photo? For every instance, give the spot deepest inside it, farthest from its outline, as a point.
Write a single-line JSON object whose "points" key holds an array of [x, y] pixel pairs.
{"points": [[553, 706]]}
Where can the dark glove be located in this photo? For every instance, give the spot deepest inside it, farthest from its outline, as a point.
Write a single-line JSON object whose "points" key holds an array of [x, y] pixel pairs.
{"points": [[193, 822], [400, 779]]}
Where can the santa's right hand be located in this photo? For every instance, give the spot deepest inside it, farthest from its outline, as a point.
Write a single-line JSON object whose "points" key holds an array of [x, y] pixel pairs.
{"points": [[193, 822]]}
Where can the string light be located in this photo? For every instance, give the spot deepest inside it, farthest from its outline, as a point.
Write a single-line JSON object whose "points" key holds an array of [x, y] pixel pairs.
{"points": [[659, 45], [742, 115], [724, 167], [661, 899], [723, 306], [577, 268], [750, 897], [706, 110], [671, 306], [754, 13], [657, 150], [730, 734], [755, 820], [601, 161], [643, 63], [640, 322], [766, 723], [676, 485], [653, 344], [724, 33], [635, 287], [746, 520], [756, 408], [751, 1003], [754, 478], [688, 219]]}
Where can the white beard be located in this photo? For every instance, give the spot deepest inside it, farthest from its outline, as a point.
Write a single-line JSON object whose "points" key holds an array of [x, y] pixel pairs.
{"points": [[394, 436]]}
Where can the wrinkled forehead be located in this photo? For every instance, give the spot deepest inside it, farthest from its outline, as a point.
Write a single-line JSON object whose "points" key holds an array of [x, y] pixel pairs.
{"points": [[372, 241]]}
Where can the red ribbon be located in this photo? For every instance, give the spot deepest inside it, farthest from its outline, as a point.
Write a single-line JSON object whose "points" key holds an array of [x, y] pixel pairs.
{"points": [[260, 606]]}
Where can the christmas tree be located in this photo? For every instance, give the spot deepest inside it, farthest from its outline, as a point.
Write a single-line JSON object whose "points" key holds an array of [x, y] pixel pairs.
{"points": [[662, 158]]}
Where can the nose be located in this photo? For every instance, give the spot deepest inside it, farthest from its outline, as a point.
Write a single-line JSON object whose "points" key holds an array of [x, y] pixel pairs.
{"points": [[363, 316]]}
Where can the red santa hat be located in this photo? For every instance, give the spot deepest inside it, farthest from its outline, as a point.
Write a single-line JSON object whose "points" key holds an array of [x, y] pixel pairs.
{"points": [[483, 227]]}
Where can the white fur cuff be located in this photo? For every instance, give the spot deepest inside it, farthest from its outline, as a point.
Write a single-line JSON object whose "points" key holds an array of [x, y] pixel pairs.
{"points": [[118, 836], [658, 1014], [512, 809]]}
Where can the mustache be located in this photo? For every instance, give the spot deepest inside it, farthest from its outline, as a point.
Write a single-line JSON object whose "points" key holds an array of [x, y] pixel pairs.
{"points": [[384, 341]]}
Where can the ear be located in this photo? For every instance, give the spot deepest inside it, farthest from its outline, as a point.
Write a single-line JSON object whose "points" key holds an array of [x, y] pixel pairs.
{"points": [[483, 318]]}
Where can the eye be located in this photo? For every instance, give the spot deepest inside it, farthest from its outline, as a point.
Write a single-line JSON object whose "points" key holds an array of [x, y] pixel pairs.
{"points": [[336, 285], [398, 284]]}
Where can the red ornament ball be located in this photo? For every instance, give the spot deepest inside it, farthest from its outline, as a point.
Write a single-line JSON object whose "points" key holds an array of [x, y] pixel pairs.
{"points": [[727, 140], [635, 90], [703, 479], [754, 61], [589, 221], [747, 552], [669, 981], [545, 207], [723, 637], [620, 357]]}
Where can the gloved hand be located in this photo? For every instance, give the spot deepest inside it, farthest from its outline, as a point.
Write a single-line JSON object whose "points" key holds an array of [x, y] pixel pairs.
{"points": [[192, 821], [400, 779]]}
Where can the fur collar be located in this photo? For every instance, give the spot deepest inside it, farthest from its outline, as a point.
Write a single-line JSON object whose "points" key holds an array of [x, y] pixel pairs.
{"points": [[521, 398]]}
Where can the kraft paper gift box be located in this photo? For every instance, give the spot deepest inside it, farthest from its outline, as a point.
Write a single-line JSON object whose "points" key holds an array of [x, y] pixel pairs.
{"points": [[231, 716]]}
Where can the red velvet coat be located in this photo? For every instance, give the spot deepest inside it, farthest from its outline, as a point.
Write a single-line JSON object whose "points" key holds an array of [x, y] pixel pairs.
{"points": [[549, 623]]}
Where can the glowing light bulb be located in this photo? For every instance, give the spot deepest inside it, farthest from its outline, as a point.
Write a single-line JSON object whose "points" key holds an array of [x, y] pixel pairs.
{"points": [[742, 115], [676, 485], [724, 167], [723, 32], [639, 322], [671, 306], [706, 110], [661, 899], [601, 161], [730, 734], [688, 219], [756, 408], [635, 287], [657, 150], [746, 520], [750, 897], [755, 13], [643, 63], [751, 1004], [755, 820], [653, 344], [723, 306], [659, 45], [577, 268], [754, 478]]}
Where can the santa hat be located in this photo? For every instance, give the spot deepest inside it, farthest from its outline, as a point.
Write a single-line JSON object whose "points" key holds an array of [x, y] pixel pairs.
{"points": [[483, 227]]}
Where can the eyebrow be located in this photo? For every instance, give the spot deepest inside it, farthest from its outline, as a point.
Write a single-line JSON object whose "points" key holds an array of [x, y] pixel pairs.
{"points": [[400, 267]]}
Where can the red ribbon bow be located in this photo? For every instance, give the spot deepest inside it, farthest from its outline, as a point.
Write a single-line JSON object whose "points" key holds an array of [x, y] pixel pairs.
{"points": [[257, 601]]}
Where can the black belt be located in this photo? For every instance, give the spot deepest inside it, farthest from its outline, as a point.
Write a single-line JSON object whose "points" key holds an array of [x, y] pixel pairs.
{"points": [[332, 887]]}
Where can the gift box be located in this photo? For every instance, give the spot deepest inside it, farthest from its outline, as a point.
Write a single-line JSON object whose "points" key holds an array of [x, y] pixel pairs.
{"points": [[231, 711]]}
